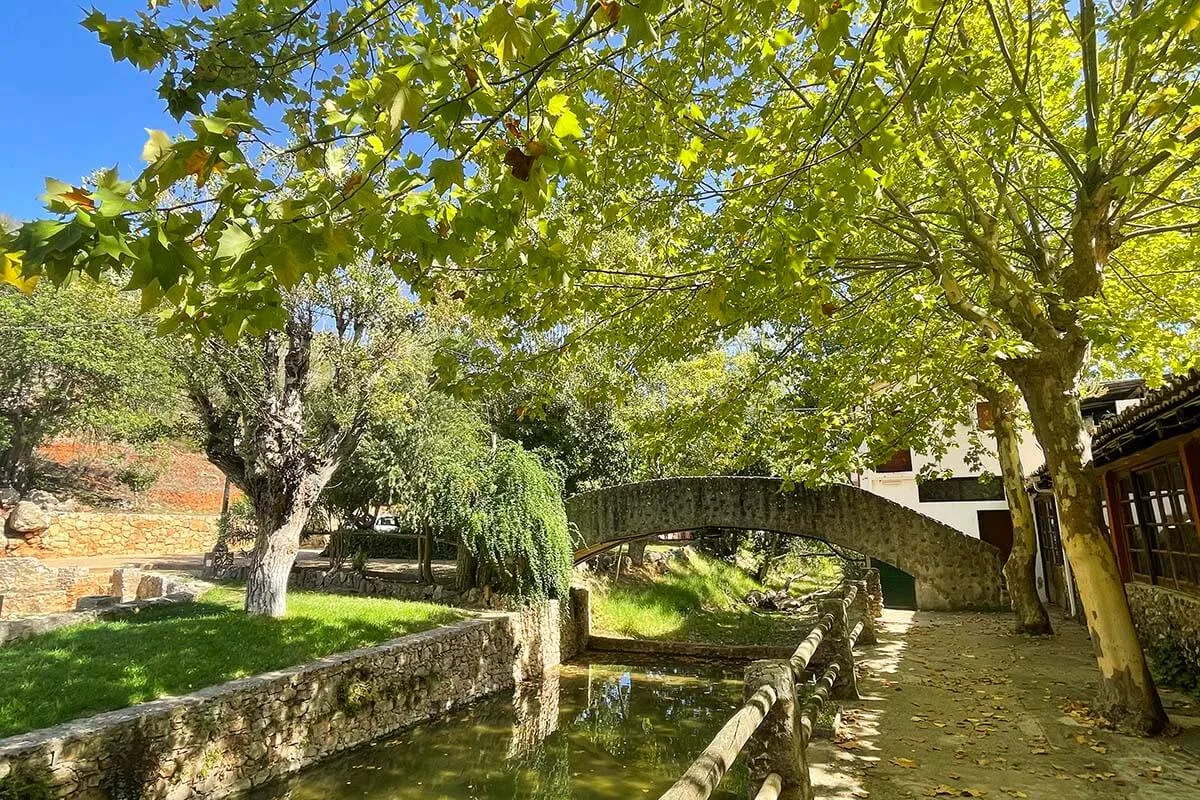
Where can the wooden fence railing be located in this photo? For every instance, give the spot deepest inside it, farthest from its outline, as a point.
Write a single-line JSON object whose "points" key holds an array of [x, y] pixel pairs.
{"points": [[785, 698]]}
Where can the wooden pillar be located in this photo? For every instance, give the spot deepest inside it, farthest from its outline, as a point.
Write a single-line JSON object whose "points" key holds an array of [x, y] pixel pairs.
{"points": [[778, 745], [860, 609], [1189, 458], [874, 591], [1116, 529], [836, 647]]}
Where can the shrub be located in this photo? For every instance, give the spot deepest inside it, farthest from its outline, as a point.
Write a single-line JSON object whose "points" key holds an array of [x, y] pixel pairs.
{"points": [[143, 469], [237, 526], [22, 784], [1172, 667]]}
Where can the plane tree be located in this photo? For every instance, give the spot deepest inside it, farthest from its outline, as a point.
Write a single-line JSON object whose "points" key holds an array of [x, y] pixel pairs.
{"points": [[1020, 160], [1017, 157]]}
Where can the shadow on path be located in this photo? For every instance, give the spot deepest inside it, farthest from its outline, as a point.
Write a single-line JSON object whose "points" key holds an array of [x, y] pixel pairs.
{"points": [[955, 705]]}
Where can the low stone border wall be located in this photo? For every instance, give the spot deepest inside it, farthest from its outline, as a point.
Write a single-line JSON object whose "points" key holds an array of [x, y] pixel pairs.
{"points": [[350, 582], [732, 652], [29, 587], [232, 737], [130, 590], [1166, 621]]}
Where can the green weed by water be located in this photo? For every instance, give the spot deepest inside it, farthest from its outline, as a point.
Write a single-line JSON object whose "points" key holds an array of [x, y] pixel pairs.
{"points": [[699, 599], [171, 650]]}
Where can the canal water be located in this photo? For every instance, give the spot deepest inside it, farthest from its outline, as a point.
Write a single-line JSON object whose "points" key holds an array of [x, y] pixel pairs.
{"points": [[593, 732]]}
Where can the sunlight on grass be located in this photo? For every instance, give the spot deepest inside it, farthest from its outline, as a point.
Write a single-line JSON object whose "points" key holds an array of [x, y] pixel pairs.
{"points": [[174, 650], [699, 599]]}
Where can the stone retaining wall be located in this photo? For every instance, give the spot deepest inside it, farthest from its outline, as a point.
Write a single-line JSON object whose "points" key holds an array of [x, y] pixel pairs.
{"points": [[229, 738], [1167, 622], [658, 647], [347, 581], [93, 533], [13, 629], [29, 587]]}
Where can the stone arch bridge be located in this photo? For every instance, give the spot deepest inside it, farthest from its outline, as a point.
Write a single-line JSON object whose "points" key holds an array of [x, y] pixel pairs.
{"points": [[950, 570]]}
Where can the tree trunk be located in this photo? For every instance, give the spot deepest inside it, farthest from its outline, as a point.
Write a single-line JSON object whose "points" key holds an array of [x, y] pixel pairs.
{"points": [[764, 567], [637, 553], [1126, 694], [465, 569], [1019, 571], [16, 468], [270, 564], [427, 558]]}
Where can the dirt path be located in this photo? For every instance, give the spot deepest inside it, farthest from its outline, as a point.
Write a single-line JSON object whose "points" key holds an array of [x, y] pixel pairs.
{"points": [[956, 706]]}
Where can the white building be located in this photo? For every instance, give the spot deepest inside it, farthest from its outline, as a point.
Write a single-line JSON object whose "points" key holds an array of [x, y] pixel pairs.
{"points": [[977, 507]]}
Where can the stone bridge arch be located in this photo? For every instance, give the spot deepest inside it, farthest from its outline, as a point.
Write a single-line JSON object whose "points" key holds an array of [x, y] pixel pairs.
{"points": [[951, 570]]}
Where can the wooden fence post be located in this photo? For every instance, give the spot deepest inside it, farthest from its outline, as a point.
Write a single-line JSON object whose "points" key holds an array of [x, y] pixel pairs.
{"points": [[860, 610], [778, 745], [874, 591], [837, 646]]}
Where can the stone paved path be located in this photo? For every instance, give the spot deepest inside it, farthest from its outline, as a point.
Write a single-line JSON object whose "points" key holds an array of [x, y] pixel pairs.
{"points": [[957, 706]]}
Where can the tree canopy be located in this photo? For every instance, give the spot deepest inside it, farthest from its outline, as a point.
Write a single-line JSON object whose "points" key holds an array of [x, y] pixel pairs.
{"points": [[79, 358]]}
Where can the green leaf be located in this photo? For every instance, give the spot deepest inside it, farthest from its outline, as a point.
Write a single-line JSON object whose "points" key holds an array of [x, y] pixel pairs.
{"points": [[638, 26], [234, 242], [152, 296], [156, 146], [509, 36], [568, 126], [406, 106], [446, 173]]}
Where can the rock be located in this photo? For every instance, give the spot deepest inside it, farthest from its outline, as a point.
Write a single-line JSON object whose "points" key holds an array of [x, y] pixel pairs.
{"points": [[125, 582], [27, 518], [12, 542], [150, 586], [45, 500], [9, 496], [93, 601]]}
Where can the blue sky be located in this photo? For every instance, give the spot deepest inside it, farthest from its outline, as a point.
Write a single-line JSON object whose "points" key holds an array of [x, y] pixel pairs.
{"points": [[68, 108]]}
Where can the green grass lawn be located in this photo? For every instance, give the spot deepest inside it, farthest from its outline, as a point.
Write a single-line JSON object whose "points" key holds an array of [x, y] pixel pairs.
{"points": [[698, 599], [85, 669]]}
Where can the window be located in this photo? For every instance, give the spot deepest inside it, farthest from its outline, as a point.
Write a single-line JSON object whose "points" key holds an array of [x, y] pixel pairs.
{"points": [[960, 490], [983, 416], [1049, 539], [1160, 526], [901, 461]]}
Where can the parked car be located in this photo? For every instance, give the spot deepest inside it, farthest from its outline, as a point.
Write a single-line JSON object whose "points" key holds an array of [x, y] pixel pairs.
{"points": [[386, 525]]}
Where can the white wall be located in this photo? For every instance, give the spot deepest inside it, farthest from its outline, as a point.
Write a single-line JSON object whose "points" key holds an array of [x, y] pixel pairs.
{"points": [[901, 487]]}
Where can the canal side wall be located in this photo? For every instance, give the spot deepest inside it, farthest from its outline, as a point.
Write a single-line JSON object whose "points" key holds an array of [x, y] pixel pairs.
{"points": [[228, 738]]}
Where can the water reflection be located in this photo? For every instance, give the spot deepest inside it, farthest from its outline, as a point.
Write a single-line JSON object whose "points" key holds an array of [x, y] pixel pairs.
{"points": [[593, 732]]}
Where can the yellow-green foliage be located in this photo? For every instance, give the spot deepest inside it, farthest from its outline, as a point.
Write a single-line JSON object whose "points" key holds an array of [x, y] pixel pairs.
{"points": [[698, 599]]}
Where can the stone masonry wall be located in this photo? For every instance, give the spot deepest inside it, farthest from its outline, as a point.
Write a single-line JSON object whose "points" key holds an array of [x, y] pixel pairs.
{"points": [[1166, 621], [229, 738], [92, 533], [29, 587]]}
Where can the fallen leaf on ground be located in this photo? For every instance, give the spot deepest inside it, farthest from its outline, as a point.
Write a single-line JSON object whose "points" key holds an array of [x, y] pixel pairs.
{"points": [[907, 763]]}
